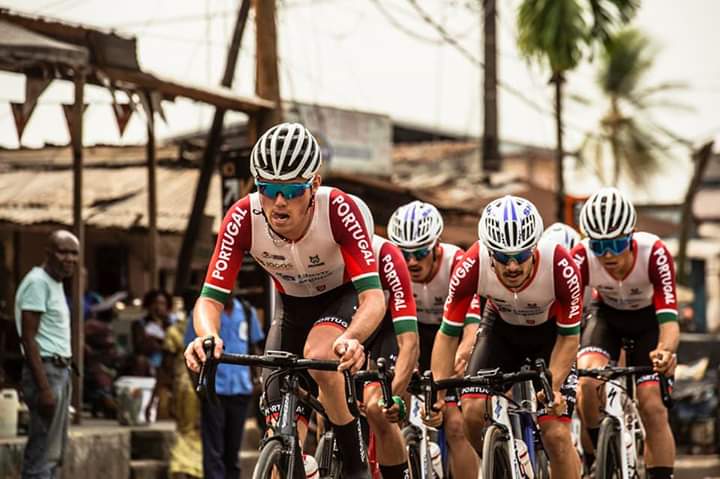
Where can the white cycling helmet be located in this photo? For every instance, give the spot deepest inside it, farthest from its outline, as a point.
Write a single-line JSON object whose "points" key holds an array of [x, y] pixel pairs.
{"points": [[366, 213], [285, 152], [415, 225], [510, 224], [562, 234], [607, 214]]}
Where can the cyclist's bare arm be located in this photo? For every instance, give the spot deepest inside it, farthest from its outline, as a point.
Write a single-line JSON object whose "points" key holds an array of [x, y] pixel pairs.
{"points": [[408, 354], [661, 271], [206, 321]]}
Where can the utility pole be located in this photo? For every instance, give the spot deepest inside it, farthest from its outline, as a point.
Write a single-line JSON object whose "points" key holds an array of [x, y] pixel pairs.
{"points": [[212, 146], [267, 79], [491, 160]]}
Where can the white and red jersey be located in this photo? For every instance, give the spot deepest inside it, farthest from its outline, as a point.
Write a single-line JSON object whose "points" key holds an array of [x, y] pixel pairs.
{"points": [[430, 296], [553, 292], [335, 250], [650, 281], [395, 281]]}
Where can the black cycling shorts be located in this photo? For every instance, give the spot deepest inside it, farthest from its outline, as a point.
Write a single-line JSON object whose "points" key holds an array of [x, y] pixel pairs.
{"points": [[383, 343], [292, 324], [500, 344], [608, 327]]}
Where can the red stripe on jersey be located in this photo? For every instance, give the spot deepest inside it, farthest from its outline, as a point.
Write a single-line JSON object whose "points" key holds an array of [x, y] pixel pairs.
{"points": [[568, 288], [661, 270], [463, 285]]}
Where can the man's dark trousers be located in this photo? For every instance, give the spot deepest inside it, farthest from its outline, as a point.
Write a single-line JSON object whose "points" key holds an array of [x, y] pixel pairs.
{"points": [[223, 425]]}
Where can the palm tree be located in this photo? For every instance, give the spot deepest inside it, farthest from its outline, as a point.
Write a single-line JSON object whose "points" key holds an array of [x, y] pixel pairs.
{"points": [[556, 33], [637, 145]]}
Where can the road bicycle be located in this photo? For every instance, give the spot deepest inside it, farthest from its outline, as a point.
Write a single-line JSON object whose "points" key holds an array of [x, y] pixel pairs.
{"points": [[512, 445], [280, 452], [419, 437]]}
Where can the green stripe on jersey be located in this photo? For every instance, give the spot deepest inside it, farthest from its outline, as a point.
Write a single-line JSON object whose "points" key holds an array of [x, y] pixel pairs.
{"points": [[667, 317], [405, 325], [571, 331], [213, 293], [472, 319], [450, 329], [365, 283]]}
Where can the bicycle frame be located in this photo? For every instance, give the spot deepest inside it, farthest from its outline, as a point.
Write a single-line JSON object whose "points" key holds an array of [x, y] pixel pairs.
{"points": [[416, 421], [622, 407]]}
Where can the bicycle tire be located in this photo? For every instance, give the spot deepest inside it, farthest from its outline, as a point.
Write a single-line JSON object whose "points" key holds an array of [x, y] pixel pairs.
{"points": [[334, 467], [608, 460], [413, 452], [496, 454], [271, 456], [542, 467]]}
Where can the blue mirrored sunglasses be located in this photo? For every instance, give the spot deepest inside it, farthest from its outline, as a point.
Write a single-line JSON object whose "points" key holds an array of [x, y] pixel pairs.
{"points": [[288, 190], [519, 257], [615, 246], [418, 254]]}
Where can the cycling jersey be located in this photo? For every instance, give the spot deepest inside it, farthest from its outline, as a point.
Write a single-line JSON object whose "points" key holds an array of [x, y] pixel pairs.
{"points": [[430, 296], [395, 281], [553, 292], [650, 281], [335, 250]]}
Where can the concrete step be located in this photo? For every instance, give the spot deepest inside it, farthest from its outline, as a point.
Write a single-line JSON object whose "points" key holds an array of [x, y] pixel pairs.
{"points": [[148, 469]]}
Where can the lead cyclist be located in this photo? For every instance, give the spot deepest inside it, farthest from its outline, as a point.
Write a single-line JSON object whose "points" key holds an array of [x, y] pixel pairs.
{"points": [[313, 242]]}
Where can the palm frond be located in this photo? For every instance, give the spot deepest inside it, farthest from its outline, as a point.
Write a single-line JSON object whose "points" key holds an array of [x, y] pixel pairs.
{"points": [[625, 60], [608, 15]]}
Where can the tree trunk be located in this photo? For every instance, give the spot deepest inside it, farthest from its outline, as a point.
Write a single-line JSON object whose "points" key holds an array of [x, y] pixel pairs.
{"points": [[491, 160], [701, 159], [614, 125], [558, 80]]}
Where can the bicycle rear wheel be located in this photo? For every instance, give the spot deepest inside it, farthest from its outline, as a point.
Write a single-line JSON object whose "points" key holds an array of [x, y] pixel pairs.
{"points": [[496, 455], [414, 454], [608, 460], [271, 461]]}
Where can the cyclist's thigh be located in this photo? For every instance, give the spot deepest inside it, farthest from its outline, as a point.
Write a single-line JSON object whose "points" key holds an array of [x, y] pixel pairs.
{"points": [[491, 351], [332, 316], [599, 342]]}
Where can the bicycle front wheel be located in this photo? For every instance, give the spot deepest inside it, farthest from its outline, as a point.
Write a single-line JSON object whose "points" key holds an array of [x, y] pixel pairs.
{"points": [[608, 460], [496, 455], [329, 465], [271, 462], [413, 451]]}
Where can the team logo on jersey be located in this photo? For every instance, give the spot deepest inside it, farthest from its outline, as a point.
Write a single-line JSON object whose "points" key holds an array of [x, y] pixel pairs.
{"points": [[439, 301], [321, 287], [267, 255], [635, 291], [530, 321], [315, 261]]}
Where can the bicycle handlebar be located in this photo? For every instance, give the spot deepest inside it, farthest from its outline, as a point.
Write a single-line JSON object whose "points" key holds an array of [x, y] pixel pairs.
{"points": [[538, 373], [608, 373]]}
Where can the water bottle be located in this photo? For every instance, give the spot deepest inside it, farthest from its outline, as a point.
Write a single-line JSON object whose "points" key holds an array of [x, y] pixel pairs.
{"points": [[436, 459], [311, 467], [523, 457]]}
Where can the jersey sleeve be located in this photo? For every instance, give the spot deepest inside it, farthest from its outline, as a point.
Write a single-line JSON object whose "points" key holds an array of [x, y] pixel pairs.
{"points": [[474, 312], [395, 279], [457, 258], [34, 296], [661, 270], [233, 241], [579, 254], [462, 289], [568, 292], [349, 232]]}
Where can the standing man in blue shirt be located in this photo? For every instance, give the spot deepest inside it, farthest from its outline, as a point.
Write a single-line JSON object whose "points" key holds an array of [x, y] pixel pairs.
{"points": [[223, 424], [42, 318]]}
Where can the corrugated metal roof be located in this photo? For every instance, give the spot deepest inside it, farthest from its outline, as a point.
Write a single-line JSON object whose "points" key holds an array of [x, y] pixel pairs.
{"points": [[21, 45], [112, 198]]}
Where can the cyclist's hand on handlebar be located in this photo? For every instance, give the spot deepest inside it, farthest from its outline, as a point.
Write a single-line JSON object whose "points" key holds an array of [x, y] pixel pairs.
{"points": [[393, 414], [350, 352], [436, 414], [663, 361], [195, 354], [558, 406]]}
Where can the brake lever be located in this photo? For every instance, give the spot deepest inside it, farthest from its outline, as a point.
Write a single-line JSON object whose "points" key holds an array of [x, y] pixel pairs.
{"points": [[429, 393], [206, 378], [545, 378], [350, 399], [385, 377]]}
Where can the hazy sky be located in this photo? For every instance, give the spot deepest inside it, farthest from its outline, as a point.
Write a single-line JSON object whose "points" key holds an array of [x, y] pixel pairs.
{"points": [[348, 53]]}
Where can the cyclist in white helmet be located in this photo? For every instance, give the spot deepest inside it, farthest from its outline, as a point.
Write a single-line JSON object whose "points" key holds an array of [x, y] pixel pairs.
{"points": [[396, 340], [634, 276], [562, 234], [313, 242], [534, 306], [415, 228]]}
